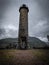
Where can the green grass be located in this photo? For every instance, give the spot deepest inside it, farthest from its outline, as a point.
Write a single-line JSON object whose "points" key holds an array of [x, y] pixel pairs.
{"points": [[8, 57], [42, 54]]}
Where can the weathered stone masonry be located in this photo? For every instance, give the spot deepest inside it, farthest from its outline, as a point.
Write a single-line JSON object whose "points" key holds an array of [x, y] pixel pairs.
{"points": [[23, 27]]}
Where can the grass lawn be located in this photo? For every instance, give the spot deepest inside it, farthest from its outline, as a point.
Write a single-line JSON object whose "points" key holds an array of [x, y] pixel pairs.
{"points": [[24, 57]]}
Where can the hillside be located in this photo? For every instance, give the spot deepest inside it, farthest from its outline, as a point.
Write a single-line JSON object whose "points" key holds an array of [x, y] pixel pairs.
{"points": [[35, 42], [32, 41]]}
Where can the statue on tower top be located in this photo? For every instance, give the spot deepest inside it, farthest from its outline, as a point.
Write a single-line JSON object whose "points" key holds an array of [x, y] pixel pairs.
{"points": [[24, 6]]}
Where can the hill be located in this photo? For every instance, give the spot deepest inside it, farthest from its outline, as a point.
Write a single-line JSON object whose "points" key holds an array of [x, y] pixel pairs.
{"points": [[32, 41], [35, 42]]}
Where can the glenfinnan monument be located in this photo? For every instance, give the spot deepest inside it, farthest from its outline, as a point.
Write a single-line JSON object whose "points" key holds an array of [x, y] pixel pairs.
{"points": [[23, 27]]}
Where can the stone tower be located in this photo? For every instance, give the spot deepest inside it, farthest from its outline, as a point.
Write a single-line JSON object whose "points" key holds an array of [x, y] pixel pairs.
{"points": [[23, 27]]}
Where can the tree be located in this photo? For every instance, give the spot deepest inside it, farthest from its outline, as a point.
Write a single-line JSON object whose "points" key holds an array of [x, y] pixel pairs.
{"points": [[48, 37]]}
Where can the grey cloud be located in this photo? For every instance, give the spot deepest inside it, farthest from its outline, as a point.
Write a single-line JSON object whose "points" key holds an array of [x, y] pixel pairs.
{"points": [[38, 17], [3, 6], [2, 31], [8, 33]]}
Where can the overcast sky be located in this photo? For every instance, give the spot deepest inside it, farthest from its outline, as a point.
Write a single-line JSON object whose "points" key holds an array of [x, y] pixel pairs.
{"points": [[38, 18]]}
